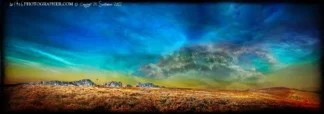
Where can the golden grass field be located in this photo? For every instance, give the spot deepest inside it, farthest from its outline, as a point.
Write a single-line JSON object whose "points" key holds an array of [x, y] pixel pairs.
{"points": [[77, 98]]}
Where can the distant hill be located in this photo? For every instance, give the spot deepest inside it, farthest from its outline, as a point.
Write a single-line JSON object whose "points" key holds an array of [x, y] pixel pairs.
{"points": [[303, 76]]}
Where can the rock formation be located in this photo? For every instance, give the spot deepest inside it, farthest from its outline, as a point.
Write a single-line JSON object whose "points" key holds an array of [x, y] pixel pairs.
{"points": [[146, 85], [83, 82], [113, 84]]}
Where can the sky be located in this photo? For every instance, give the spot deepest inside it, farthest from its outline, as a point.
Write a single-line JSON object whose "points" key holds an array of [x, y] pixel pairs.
{"points": [[216, 45]]}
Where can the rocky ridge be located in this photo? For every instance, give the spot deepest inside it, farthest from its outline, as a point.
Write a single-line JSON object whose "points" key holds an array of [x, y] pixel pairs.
{"points": [[88, 82]]}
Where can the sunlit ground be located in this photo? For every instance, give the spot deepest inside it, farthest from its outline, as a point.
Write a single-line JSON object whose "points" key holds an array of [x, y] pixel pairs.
{"points": [[74, 98]]}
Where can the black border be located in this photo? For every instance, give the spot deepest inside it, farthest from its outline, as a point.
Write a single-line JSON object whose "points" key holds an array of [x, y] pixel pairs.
{"points": [[2, 19], [180, 1], [4, 6]]}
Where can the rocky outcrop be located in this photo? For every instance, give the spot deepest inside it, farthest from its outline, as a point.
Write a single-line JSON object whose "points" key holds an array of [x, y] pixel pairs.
{"points": [[88, 82], [113, 84], [128, 85], [146, 85], [83, 82]]}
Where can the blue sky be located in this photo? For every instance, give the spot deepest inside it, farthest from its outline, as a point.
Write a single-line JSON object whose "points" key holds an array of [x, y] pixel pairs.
{"points": [[126, 38]]}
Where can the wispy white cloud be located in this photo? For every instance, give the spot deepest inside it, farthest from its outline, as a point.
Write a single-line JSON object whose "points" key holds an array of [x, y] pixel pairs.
{"points": [[51, 56]]}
